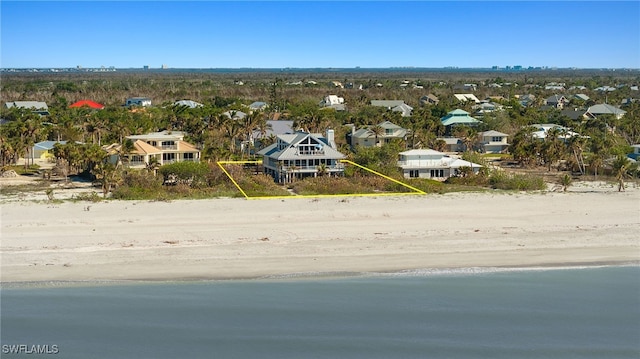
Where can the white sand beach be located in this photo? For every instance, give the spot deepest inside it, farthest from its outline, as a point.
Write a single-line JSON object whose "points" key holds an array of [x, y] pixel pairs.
{"points": [[238, 238]]}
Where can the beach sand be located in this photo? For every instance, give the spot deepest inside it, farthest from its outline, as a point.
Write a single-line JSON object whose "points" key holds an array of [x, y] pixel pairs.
{"points": [[238, 238]]}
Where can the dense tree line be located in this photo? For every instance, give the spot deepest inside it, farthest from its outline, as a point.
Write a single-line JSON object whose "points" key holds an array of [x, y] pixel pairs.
{"points": [[217, 131]]}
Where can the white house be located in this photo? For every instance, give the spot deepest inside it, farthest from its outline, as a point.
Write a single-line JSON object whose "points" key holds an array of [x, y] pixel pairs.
{"points": [[333, 101], [541, 131], [464, 97], [186, 103], [428, 163], [302, 154], [493, 141]]}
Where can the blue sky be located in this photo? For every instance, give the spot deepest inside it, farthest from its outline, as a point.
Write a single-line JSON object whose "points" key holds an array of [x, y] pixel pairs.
{"points": [[271, 34]]}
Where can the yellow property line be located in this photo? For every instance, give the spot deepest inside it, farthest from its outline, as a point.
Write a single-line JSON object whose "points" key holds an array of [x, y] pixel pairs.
{"points": [[415, 190]]}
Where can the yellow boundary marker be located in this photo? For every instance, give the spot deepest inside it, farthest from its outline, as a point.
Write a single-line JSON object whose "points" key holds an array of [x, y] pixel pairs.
{"points": [[415, 190]]}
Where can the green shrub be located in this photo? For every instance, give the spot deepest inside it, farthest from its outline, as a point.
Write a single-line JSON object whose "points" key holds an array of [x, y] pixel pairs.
{"points": [[194, 174], [520, 182]]}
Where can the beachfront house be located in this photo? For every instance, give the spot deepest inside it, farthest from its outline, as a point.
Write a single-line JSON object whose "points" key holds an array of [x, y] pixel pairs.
{"points": [[166, 147], [302, 154], [431, 164]]}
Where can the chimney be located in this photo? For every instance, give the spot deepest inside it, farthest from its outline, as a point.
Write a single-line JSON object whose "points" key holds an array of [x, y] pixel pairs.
{"points": [[331, 138]]}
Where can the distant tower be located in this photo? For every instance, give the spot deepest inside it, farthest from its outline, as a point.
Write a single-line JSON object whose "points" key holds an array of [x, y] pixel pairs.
{"points": [[164, 67], [146, 67]]}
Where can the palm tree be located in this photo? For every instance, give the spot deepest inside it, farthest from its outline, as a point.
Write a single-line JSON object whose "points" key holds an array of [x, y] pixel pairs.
{"points": [[565, 182], [322, 169], [108, 175], [621, 167], [153, 165], [575, 145], [377, 131]]}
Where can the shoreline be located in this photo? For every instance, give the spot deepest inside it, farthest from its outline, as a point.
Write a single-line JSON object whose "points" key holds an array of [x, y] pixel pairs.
{"points": [[236, 239], [325, 276]]}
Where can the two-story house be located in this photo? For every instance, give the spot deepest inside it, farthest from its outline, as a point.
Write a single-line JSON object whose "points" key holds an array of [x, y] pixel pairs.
{"points": [[556, 101], [367, 136], [302, 154], [166, 147], [493, 141]]}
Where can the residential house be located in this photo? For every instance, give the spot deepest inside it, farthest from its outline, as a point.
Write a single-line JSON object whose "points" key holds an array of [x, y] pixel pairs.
{"points": [[527, 100], [166, 147], [43, 150], [581, 97], [366, 137], [453, 144], [605, 109], [88, 104], [458, 117], [302, 154], [428, 163], [38, 107], [394, 105], [187, 103], [541, 131], [464, 97], [487, 107], [333, 101], [138, 101], [635, 155], [575, 114], [273, 129], [556, 101], [466, 87], [493, 141], [258, 106], [235, 114], [604, 89], [429, 99]]}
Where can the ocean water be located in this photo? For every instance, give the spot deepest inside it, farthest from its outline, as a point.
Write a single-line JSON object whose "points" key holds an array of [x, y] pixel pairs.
{"points": [[551, 313]]}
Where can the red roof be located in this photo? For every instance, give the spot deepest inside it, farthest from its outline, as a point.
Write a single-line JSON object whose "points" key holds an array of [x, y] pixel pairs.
{"points": [[87, 103]]}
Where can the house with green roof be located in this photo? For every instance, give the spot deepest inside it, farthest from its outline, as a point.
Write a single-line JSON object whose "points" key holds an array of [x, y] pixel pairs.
{"points": [[458, 117]]}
